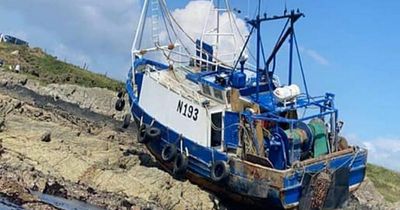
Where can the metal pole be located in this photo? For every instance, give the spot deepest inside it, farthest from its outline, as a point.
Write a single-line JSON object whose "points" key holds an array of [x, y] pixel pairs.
{"points": [[140, 28], [258, 22], [258, 57], [138, 36], [291, 49]]}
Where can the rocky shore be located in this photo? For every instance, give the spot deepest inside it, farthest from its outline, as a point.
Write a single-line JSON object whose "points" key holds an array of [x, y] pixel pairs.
{"points": [[67, 141]]}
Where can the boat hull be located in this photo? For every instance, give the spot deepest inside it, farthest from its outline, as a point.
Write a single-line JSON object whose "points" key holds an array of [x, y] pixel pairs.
{"points": [[249, 182]]}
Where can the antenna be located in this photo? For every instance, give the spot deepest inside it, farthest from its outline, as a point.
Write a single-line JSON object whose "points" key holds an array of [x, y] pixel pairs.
{"points": [[285, 11]]}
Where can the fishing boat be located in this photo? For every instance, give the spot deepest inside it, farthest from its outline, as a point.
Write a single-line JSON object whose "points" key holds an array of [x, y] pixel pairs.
{"points": [[231, 126]]}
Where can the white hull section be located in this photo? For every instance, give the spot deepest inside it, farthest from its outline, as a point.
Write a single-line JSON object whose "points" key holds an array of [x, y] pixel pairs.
{"points": [[174, 111]]}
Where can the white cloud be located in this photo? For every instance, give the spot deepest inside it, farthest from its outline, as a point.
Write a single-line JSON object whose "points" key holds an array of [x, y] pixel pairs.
{"points": [[100, 32], [66, 54], [317, 57], [193, 18], [381, 151]]}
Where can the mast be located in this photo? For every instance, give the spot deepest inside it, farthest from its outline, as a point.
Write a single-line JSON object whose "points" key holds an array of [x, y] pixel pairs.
{"points": [[218, 7], [286, 33], [257, 26], [291, 48], [138, 37]]}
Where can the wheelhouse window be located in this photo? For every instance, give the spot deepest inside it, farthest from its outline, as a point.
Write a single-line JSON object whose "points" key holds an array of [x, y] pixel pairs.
{"points": [[218, 94], [206, 90]]}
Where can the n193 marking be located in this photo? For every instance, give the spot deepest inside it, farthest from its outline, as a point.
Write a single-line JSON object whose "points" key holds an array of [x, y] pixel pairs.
{"points": [[187, 110]]}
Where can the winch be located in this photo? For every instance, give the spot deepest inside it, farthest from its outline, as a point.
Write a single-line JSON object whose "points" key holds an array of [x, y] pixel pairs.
{"points": [[285, 147]]}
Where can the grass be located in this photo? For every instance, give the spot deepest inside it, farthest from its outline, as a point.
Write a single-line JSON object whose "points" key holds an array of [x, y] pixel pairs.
{"points": [[48, 69], [387, 182]]}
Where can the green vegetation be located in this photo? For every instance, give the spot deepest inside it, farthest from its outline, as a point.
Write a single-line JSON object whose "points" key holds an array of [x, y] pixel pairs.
{"points": [[47, 69], [387, 182]]}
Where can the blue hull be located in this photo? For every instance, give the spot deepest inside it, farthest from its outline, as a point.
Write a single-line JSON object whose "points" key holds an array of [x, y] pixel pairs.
{"points": [[249, 181]]}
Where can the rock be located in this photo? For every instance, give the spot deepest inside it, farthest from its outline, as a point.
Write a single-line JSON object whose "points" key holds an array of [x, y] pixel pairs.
{"points": [[1, 147], [4, 83], [35, 73], [46, 137], [18, 105], [55, 189], [368, 194], [367, 197], [15, 52], [24, 81], [2, 123]]}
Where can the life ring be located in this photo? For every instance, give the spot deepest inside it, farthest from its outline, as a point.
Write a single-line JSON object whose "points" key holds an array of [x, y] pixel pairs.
{"points": [[153, 134], [120, 104], [168, 153], [219, 171], [127, 121], [180, 164], [142, 134]]}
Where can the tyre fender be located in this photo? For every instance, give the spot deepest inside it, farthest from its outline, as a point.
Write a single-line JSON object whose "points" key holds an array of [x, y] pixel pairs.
{"points": [[153, 134], [127, 121], [120, 104], [142, 134], [220, 171], [180, 164], [169, 152]]}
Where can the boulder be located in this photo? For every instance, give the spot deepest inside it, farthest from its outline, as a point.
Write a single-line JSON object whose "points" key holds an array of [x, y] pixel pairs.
{"points": [[46, 137]]}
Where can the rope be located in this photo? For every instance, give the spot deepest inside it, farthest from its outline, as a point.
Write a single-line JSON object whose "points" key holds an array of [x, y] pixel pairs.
{"points": [[168, 14], [313, 174], [171, 17], [237, 28], [165, 24], [301, 66]]}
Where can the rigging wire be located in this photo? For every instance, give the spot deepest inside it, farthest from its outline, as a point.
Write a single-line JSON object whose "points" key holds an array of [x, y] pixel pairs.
{"points": [[244, 48], [237, 26], [187, 35], [166, 12], [277, 42], [301, 66], [262, 50], [170, 19], [165, 24]]}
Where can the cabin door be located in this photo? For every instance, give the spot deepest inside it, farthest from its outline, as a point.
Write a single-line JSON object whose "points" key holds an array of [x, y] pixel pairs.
{"points": [[216, 129]]}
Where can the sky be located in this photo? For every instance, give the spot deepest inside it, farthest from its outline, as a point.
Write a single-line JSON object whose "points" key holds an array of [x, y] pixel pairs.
{"points": [[350, 48]]}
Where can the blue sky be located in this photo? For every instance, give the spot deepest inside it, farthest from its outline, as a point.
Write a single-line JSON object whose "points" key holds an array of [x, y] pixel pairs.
{"points": [[350, 48]]}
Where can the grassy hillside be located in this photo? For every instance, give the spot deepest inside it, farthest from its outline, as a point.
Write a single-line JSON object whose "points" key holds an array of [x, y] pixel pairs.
{"points": [[386, 181], [48, 69]]}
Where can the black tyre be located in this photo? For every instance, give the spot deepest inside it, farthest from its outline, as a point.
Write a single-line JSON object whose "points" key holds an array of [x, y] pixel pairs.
{"points": [[127, 121], [169, 152], [120, 104], [142, 134], [153, 134], [219, 171], [120, 94], [180, 164]]}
